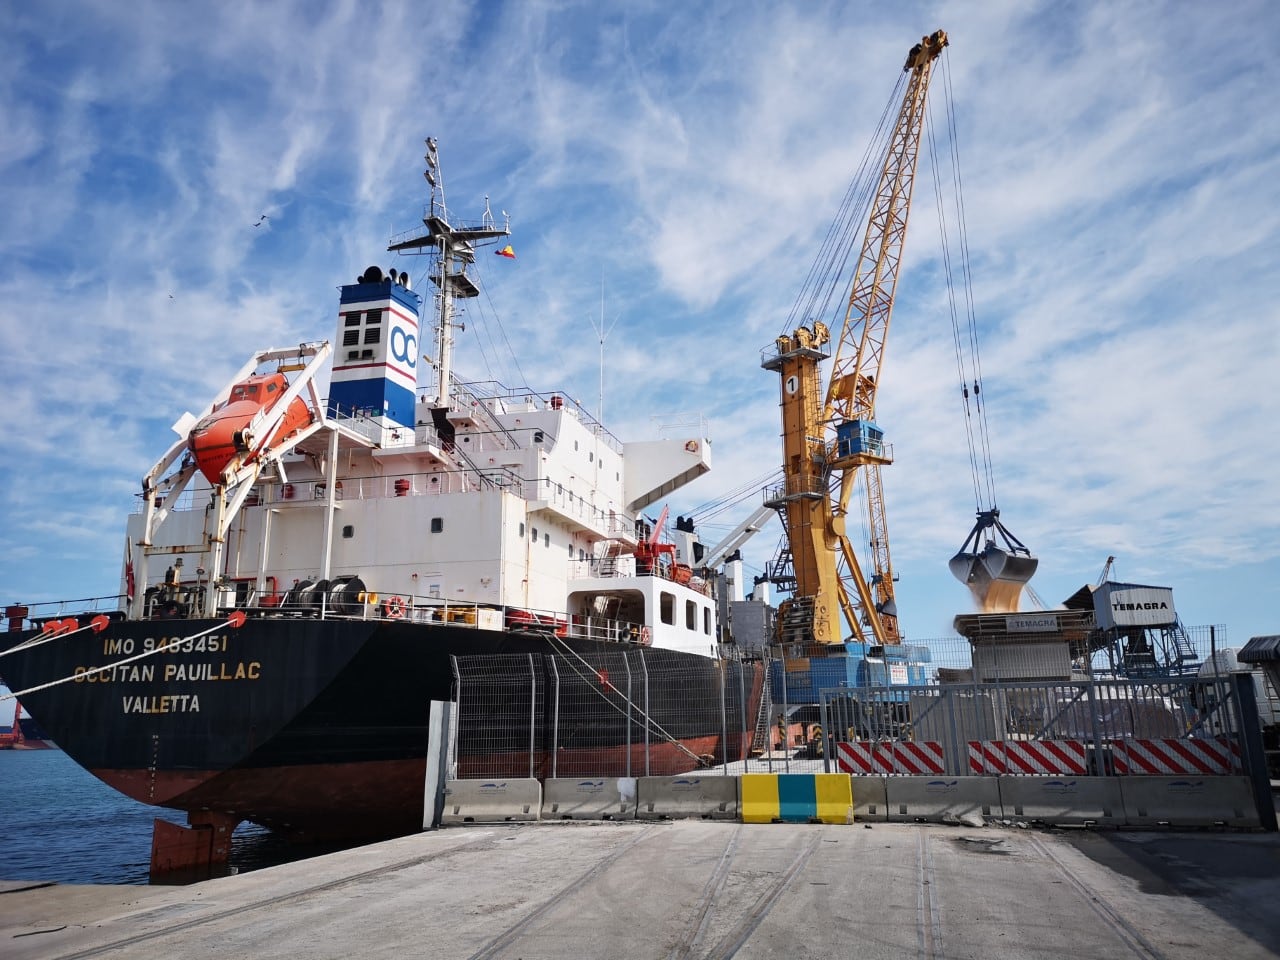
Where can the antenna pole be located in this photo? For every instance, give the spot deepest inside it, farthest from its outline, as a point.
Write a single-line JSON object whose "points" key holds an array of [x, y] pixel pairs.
{"points": [[602, 335]]}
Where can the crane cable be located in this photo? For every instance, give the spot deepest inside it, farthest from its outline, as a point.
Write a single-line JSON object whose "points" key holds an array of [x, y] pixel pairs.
{"points": [[706, 512], [967, 353], [827, 287], [826, 277]]}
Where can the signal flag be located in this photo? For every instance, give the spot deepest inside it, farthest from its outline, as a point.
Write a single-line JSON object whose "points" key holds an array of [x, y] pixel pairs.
{"points": [[506, 252]]}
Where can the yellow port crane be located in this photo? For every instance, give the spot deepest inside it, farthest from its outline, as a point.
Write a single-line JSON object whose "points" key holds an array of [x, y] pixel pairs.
{"points": [[830, 439]]}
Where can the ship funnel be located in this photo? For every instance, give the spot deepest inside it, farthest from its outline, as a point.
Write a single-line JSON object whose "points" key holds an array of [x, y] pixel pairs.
{"points": [[994, 573]]}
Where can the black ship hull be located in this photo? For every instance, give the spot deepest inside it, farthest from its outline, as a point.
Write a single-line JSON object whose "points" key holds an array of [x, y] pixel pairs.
{"points": [[319, 728]]}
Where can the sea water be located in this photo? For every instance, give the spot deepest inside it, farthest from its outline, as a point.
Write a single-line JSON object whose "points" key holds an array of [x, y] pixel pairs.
{"points": [[60, 823]]}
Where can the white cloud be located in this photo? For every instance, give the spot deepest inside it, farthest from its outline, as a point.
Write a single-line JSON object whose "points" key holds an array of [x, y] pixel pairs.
{"points": [[1120, 211]]}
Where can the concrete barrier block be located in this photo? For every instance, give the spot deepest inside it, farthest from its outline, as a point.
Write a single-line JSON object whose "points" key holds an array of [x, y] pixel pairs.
{"points": [[595, 798], [943, 799], [687, 797], [758, 794], [1189, 801], [1066, 800], [870, 798], [796, 798], [491, 801], [833, 793]]}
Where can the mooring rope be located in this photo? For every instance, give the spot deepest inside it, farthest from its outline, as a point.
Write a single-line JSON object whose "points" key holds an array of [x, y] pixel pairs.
{"points": [[57, 630], [644, 715], [235, 621]]}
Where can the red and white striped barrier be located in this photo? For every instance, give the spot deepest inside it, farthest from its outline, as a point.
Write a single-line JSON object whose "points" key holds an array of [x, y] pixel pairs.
{"points": [[1214, 756], [891, 758], [1033, 757]]}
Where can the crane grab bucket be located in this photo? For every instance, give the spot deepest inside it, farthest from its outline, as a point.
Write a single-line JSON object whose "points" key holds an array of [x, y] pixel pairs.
{"points": [[994, 574]]}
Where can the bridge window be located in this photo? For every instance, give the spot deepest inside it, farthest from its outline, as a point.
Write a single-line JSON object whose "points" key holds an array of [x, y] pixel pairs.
{"points": [[667, 608]]}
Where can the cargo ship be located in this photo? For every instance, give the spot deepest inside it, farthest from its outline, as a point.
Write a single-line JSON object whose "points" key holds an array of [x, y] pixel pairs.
{"points": [[303, 574]]}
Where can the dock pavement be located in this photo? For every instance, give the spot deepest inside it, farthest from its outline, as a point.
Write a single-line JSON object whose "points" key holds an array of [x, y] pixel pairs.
{"points": [[694, 889]]}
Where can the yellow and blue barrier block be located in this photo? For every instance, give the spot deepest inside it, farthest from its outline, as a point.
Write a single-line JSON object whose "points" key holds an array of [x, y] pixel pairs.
{"points": [[797, 798]]}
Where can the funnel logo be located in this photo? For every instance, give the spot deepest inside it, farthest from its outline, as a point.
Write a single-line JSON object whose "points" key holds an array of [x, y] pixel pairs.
{"points": [[404, 346]]}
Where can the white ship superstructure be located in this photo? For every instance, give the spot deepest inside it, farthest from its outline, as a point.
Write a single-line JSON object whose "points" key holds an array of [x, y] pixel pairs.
{"points": [[493, 506]]}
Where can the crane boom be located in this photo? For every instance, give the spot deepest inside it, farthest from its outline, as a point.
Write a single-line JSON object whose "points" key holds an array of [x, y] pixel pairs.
{"points": [[815, 508]]}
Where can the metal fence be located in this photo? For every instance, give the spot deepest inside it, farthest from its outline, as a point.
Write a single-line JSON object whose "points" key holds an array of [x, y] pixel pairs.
{"points": [[1089, 727], [635, 712]]}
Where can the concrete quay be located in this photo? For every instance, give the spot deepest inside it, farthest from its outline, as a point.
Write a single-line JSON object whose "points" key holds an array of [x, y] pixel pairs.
{"points": [[694, 889]]}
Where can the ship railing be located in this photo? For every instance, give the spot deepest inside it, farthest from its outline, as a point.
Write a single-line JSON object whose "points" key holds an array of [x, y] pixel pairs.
{"points": [[600, 568], [681, 425], [184, 501], [370, 487], [354, 419], [511, 400], [20, 616], [610, 521], [413, 608]]}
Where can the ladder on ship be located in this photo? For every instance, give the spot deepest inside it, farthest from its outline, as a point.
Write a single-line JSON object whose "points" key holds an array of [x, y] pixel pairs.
{"points": [[760, 739]]}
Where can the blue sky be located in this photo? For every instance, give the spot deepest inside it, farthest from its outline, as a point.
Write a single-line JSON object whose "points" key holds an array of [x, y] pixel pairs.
{"points": [[1123, 218]]}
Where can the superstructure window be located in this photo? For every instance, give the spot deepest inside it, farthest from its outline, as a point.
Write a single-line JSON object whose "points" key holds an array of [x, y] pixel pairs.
{"points": [[372, 334], [372, 317], [546, 540], [690, 615], [437, 524], [351, 319], [667, 608], [350, 338], [706, 620], [522, 529]]}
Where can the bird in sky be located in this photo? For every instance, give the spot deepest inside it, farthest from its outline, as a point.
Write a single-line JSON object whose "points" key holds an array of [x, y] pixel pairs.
{"points": [[262, 220]]}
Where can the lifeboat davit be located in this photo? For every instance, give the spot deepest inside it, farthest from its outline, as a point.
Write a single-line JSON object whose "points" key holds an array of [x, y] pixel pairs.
{"points": [[225, 432], [994, 574]]}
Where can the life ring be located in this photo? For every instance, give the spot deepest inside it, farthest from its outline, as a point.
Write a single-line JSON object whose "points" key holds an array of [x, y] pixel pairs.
{"points": [[393, 608], [646, 638]]}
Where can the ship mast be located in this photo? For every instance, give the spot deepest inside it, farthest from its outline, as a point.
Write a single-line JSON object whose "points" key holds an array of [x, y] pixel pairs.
{"points": [[454, 243]]}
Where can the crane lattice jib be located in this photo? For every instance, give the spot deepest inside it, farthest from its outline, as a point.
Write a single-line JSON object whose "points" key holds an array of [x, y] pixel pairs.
{"points": [[859, 354]]}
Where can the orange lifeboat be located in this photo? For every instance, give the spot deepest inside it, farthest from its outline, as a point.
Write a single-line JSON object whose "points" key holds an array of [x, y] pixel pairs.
{"points": [[223, 434]]}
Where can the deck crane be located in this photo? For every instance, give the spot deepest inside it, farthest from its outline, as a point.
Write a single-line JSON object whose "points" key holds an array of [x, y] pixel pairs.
{"points": [[820, 474]]}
